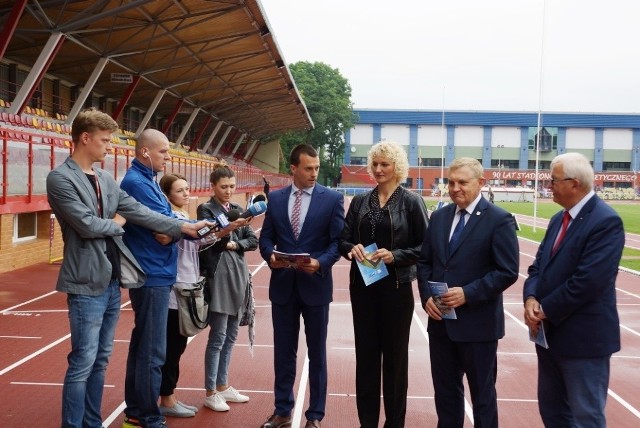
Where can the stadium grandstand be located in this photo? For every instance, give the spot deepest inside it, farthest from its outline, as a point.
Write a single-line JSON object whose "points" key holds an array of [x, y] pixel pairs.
{"points": [[209, 74]]}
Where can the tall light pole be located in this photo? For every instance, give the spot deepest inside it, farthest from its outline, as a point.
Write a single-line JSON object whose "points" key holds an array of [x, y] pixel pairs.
{"points": [[500, 147], [444, 141], [419, 176]]}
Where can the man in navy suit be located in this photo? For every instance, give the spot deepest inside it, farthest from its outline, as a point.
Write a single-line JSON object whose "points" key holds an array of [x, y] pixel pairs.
{"points": [[305, 217], [570, 292], [472, 246]]}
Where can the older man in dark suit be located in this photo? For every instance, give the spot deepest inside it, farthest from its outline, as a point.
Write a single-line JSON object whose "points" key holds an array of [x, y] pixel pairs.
{"points": [[472, 246], [570, 292], [303, 218]]}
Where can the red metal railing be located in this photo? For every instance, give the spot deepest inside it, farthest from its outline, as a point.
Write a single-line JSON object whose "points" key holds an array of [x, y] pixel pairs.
{"points": [[28, 156]]}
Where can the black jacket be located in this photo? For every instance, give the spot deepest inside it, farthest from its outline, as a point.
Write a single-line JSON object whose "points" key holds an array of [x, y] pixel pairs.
{"points": [[409, 223], [244, 236]]}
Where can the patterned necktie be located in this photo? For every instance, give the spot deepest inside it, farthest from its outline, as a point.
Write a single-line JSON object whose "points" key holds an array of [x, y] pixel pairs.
{"points": [[566, 218], [295, 213], [458, 230]]}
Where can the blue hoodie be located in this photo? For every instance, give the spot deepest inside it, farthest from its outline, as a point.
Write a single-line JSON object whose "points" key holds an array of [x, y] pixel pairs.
{"points": [[158, 261]]}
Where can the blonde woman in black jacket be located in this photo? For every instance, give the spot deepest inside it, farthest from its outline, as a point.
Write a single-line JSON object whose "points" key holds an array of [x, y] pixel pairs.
{"points": [[395, 219]]}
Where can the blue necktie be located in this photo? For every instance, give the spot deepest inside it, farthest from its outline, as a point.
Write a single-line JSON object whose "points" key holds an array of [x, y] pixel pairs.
{"points": [[458, 230]]}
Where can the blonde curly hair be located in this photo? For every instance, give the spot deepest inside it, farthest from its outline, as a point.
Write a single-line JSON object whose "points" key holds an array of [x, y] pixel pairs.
{"points": [[395, 153]]}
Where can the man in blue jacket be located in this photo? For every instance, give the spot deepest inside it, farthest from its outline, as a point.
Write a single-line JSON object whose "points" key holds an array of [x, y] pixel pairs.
{"points": [[150, 302]]}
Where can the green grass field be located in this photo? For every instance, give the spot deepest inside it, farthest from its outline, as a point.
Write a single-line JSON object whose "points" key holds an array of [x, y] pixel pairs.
{"points": [[629, 212]]}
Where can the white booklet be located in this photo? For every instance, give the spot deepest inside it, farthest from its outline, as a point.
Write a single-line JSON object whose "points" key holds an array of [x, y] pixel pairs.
{"points": [[437, 290], [541, 337], [294, 259]]}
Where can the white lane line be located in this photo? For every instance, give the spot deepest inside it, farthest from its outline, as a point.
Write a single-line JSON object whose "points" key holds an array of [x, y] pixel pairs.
{"points": [[630, 330], [615, 396], [628, 293], [20, 337], [624, 403], [302, 387], [47, 384], [4, 311], [33, 355], [468, 409], [114, 415]]}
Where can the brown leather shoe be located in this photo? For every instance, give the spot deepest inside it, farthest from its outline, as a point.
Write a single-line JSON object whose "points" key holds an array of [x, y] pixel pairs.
{"points": [[312, 424], [276, 421]]}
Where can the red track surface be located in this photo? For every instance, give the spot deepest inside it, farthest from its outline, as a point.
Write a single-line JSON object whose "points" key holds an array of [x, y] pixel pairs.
{"points": [[34, 341]]}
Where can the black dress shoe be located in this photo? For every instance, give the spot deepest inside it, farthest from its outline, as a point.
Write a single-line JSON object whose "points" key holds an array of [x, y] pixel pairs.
{"points": [[277, 421], [312, 424]]}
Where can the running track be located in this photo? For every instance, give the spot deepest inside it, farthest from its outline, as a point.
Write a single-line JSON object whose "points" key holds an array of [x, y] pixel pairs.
{"points": [[34, 341]]}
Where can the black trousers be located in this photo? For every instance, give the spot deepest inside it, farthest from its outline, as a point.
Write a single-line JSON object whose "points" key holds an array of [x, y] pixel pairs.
{"points": [[176, 344], [450, 361], [382, 315]]}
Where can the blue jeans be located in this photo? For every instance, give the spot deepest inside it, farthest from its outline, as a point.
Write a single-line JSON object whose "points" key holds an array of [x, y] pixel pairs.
{"points": [[92, 321], [572, 392], [147, 351], [223, 332]]}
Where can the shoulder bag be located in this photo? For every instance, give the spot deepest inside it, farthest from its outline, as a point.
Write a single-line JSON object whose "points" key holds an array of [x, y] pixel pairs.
{"points": [[193, 309]]}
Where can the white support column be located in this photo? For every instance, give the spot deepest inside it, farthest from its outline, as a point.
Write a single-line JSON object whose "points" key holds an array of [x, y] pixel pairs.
{"points": [[206, 146], [250, 150], [86, 90], [240, 140], [224, 137], [186, 127], [152, 108], [36, 71]]}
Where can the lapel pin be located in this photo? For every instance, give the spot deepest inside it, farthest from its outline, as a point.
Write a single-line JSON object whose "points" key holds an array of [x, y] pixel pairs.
{"points": [[477, 212]]}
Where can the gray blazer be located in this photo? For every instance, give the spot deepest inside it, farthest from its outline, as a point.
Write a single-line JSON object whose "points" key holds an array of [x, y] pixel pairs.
{"points": [[85, 268]]}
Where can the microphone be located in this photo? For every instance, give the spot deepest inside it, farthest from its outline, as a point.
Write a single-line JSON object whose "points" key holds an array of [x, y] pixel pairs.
{"points": [[254, 210], [223, 220]]}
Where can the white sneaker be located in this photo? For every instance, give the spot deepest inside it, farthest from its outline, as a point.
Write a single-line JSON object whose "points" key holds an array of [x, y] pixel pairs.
{"points": [[233, 396], [216, 402]]}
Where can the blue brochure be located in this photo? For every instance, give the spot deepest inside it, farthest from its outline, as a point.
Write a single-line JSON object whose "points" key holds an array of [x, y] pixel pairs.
{"points": [[437, 290], [371, 271]]}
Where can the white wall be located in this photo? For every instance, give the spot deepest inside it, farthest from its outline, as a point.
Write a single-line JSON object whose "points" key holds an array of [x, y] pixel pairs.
{"points": [[506, 136], [397, 133], [362, 135], [431, 135], [620, 139], [469, 136], [580, 138]]}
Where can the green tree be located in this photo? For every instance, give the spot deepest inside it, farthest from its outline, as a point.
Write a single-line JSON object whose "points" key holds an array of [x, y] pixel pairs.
{"points": [[327, 95]]}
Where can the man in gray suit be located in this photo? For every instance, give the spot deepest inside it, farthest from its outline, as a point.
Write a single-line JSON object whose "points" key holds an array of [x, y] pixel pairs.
{"points": [[91, 210]]}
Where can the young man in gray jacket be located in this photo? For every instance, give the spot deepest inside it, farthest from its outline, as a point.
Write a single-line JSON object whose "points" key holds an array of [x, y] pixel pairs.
{"points": [[91, 210]]}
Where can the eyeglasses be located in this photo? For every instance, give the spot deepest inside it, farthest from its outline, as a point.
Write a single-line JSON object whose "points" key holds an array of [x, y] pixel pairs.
{"points": [[555, 180]]}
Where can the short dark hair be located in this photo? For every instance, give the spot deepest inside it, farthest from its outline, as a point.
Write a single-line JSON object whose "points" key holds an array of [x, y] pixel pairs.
{"points": [[92, 120], [294, 158], [221, 170]]}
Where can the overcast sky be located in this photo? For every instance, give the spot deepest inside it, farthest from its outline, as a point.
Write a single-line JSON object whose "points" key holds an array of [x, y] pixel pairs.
{"points": [[471, 54]]}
